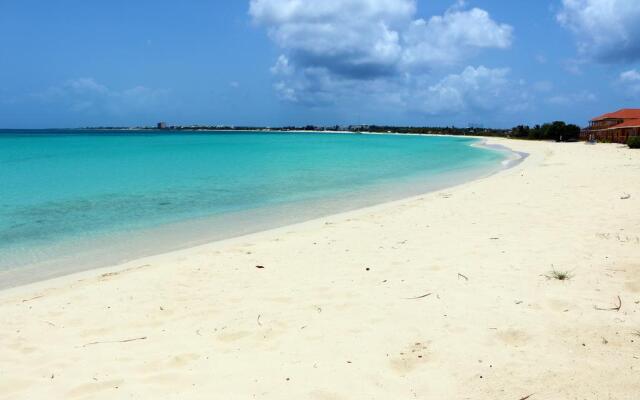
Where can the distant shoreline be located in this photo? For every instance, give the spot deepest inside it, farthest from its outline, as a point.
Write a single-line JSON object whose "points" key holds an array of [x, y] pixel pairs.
{"points": [[430, 131]]}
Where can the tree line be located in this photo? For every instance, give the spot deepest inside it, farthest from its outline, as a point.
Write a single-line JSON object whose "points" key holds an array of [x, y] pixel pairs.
{"points": [[558, 131]]}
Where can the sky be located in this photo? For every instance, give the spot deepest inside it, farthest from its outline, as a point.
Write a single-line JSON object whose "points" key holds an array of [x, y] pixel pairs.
{"points": [[491, 63]]}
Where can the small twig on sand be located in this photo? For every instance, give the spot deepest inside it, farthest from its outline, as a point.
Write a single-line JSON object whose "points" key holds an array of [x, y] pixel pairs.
{"points": [[526, 397], [616, 308], [116, 341], [33, 298], [258, 320], [419, 297], [462, 276]]}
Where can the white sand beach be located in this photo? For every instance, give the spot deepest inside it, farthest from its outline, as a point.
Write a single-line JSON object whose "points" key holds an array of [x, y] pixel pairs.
{"points": [[440, 296]]}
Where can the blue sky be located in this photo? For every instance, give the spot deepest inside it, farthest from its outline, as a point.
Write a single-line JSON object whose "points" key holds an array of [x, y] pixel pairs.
{"points": [[72, 63]]}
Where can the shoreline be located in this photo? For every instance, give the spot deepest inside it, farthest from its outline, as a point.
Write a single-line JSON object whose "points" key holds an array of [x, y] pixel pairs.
{"points": [[336, 205], [441, 295], [509, 163]]}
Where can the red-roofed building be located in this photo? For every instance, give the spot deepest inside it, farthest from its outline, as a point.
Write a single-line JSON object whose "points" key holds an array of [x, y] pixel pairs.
{"points": [[615, 127]]}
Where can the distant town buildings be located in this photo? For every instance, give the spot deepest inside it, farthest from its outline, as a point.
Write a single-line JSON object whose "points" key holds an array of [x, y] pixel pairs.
{"points": [[162, 125], [615, 127]]}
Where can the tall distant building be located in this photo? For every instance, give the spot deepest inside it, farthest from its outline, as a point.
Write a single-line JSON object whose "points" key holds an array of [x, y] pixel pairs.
{"points": [[162, 125]]}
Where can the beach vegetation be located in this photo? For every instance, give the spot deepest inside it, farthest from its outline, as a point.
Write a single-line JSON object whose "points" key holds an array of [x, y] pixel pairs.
{"points": [[559, 131], [634, 142], [559, 275]]}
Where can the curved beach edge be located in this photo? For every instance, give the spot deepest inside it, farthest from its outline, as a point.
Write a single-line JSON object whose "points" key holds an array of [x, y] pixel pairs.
{"points": [[52, 271], [513, 157], [451, 294]]}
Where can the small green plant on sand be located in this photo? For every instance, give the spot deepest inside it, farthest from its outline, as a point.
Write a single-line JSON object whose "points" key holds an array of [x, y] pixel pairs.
{"points": [[559, 275]]}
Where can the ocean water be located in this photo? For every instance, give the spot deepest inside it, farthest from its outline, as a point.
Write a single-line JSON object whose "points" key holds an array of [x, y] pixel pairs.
{"points": [[72, 200]]}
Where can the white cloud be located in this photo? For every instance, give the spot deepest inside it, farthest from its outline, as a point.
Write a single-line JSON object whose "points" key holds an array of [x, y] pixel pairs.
{"points": [[86, 95], [349, 37], [475, 88], [288, 11], [629, 81], [282, 66], [630, 76], [345, 49], [364, 39], [606, 30], [317, 86], [286, 92], [572, 98], [450, 38], [86, 85]]}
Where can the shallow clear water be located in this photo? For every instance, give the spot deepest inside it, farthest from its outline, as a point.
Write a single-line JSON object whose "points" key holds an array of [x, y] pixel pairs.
{"points": [[62, 189]]}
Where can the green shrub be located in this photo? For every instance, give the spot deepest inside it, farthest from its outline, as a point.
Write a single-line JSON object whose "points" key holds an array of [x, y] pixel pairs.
{"points": [[634, 142], [559, 275]]}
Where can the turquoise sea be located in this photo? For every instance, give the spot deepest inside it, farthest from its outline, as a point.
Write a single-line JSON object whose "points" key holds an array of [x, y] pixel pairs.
{"points": [[72, 200]]}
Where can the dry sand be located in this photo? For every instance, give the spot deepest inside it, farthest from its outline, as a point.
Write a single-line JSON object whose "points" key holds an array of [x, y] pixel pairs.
{"points": [[335, 313]]}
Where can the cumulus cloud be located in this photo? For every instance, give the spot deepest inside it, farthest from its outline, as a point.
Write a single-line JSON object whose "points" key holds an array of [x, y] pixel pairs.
{"points": [[342, 49], [450, 38], [338, 49], [348, 37], [282, 66], [315, 86], [365, 39], [606, 30], [474, 89]]}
